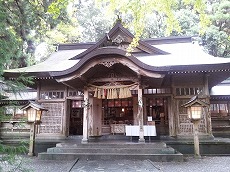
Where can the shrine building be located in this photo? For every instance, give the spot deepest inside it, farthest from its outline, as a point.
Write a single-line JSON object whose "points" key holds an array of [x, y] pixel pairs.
{"points": [[101, 88]]}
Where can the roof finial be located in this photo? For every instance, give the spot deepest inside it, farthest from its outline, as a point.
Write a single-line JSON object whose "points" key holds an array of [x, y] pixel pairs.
{"points": [[108, 38], [119, 17]]}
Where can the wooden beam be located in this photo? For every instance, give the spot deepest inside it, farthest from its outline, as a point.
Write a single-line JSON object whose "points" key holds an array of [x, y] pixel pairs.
{"points": [[123, 61], [117, 79], [69, 85]]}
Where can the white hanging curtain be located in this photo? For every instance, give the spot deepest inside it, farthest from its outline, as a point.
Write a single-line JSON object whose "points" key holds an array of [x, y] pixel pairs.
{"points": [[112, 92]]}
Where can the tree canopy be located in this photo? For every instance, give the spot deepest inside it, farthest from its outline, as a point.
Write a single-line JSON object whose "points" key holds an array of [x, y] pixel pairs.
{"points": [[151, 18], [216, 39]]}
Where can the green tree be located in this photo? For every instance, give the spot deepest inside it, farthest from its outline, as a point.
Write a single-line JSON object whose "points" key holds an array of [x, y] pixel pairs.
{"points": [[9, 44], [93, 20], [189, 23], [25, 22], [140, 16], [155, 26], [217, 37]]}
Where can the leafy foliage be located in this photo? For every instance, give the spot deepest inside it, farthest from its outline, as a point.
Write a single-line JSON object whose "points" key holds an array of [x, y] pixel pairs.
{"points": [[9, 43], [24, 24], [138, 10], [188, 22], [11, 156], [11, 159], [217, 37], [63, 21], [93, 20]]}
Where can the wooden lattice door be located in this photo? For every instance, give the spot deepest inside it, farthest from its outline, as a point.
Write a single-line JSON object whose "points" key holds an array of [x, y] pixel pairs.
{"points": [[76, 121]]}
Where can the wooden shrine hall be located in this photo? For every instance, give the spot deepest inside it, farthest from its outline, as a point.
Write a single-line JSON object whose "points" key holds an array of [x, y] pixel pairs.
{"points": [[97, 89]]}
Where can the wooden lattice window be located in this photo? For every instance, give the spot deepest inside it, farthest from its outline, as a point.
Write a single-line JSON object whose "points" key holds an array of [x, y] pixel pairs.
{"points": [[75, 93], [52, 119], [157, 91], [219, 108], [46, 95], [214, 108], [182, 110], [182, 91], [223, 108], [14, 112]]}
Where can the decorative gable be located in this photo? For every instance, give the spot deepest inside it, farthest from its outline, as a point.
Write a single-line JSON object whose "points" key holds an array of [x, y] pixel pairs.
{"points": [[116, 40], [121, 38]]}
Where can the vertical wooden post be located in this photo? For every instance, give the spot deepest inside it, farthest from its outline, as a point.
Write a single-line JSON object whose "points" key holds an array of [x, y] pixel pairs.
{"points": [[32, 139], [39, 90], [207, 110], [172, 115], [66, 111], [90, 119], [85, 116], [135, 111], [144, 110], [140, 115], [196, 139]]}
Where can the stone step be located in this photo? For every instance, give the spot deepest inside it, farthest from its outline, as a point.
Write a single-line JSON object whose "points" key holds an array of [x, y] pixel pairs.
{"points": [[117, 144], [109, 156], [168, 150], [157, 151]]}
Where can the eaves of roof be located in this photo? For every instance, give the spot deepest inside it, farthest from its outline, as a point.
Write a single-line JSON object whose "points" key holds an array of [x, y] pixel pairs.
{"points": [[75, 46], [22, 96], [168, 40], [200, 68], [58, 61], [105, 51]]}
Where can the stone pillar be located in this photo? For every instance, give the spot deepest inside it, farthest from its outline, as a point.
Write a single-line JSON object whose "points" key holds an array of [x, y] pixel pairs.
{"points": [[140, 115], [85, 116]]}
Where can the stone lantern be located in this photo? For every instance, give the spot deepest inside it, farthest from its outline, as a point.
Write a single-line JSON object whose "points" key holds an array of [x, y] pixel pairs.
{"points": [[195, 111], [34, 113]]}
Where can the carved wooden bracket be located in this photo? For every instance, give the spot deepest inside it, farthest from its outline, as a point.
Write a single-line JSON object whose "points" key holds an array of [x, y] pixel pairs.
{"points": [[108, 63]]}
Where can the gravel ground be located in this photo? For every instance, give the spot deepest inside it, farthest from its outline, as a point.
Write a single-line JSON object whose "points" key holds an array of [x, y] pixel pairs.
{"points": [[205, 164]]}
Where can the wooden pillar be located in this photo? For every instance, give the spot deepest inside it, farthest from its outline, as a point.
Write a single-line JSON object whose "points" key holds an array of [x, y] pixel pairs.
{"points": [[144, 111], [65, 116], [85, 116], [207, 110], [32, 139], [96, 116], [196, 138], [135, 111], [171, 117], [140, 115], [90, 118]]}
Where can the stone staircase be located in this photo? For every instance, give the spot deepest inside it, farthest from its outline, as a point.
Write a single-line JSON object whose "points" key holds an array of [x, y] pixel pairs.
{"points": [[154, 151]]}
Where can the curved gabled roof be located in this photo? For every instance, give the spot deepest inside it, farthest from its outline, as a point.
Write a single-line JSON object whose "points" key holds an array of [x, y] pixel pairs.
{"points": [[108, 51], [58, 61], [175, 55]]}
